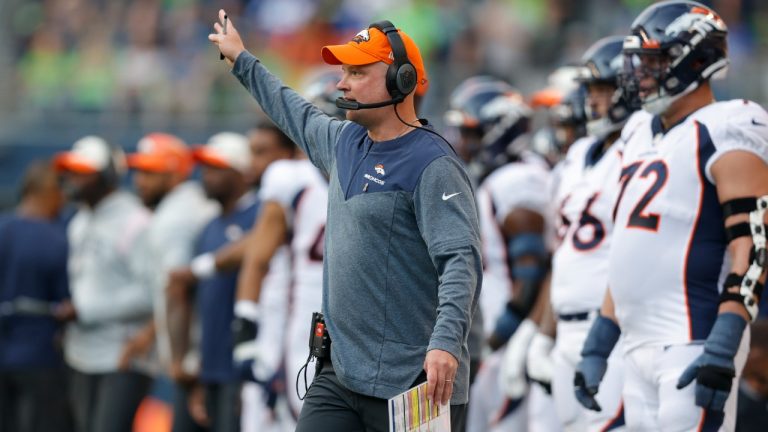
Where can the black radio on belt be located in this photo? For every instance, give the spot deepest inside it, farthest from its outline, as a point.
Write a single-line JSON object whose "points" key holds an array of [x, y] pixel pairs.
{"points": [[319, 342], [319, 350]]}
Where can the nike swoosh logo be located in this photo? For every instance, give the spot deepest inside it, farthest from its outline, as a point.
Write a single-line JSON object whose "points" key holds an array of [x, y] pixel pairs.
{"points": [[754, 122], [447, 197]]}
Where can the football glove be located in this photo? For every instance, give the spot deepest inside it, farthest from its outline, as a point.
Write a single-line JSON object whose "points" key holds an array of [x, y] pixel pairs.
{"points": [[514, 383], [713, 369], [600, 341], [538, 362], [245, 329]]}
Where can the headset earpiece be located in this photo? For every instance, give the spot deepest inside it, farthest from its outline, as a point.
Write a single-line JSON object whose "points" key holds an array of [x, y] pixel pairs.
{"points": [[401, 74]]}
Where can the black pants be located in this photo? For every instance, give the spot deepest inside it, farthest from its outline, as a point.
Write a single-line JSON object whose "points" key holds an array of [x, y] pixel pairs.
{"points": [[106, 402], [330, 407], [34, 400], [222, 402], [182, 420]]}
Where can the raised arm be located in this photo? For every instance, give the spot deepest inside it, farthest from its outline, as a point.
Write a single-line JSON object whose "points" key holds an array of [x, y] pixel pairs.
{"points": [[314, 131]]}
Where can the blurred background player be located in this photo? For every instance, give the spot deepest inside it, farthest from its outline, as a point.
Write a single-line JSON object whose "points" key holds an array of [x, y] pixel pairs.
{"points": [[584, 200], [258, 353], [214, 400], [105, 278], [33, 287], [293, 195], [527, 355], [563, 121], [162, 166], [562, 104], [491, 117], [267, 144], [691, 204], [568, 119]]}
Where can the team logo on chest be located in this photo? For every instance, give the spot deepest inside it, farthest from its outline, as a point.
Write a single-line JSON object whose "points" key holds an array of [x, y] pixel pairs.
{"points": [[379, 168]]}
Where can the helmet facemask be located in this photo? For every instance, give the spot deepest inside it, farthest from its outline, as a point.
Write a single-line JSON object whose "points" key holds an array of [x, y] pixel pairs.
{"points": [[664, 63], [600, 125]]}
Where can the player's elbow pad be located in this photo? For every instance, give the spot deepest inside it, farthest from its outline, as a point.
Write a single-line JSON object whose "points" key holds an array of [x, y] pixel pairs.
{"points": [[749, 286]]}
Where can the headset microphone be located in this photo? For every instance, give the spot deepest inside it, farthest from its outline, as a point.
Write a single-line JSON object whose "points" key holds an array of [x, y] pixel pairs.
{"points": [[355, 105]]}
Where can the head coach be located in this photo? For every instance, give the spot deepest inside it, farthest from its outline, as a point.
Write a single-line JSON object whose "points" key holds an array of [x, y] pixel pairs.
{"points": [[402, 250]]}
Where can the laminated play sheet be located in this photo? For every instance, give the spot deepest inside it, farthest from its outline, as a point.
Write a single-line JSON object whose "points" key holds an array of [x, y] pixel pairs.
{"points": [[410, 411]]}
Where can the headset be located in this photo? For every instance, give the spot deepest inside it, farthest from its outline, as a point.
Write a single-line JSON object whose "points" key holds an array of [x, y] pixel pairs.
{"points": [[401, 80], [401, 75]]}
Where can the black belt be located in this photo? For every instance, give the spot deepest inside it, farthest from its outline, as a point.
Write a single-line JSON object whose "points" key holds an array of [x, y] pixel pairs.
{"points": [[580, 316]]}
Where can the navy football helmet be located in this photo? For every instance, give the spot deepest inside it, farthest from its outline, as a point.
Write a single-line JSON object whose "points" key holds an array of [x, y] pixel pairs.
{"points": [[490, 114], [569, 114], [603, 64], [674, 47]]}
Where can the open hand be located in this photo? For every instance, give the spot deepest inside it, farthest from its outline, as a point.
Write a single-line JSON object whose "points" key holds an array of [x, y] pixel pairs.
{"points": [[230, 44]]}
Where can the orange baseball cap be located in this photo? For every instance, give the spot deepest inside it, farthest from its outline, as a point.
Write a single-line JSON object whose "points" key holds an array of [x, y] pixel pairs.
{"points": [[162, 152], [370, 46], [89, 155], [547, 98], [226, 150]]}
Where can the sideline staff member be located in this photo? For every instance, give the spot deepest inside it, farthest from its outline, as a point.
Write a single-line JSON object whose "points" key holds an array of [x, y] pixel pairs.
{"points": [[402, 268]]}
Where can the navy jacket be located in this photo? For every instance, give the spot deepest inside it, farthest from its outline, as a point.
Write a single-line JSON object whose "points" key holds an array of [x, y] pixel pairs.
{"points": [[33, 265]]}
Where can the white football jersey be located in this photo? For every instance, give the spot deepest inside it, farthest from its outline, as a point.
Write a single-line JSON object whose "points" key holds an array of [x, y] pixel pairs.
{"points": [[303, 194], [522, 184], [668, 256], [584, 200]]}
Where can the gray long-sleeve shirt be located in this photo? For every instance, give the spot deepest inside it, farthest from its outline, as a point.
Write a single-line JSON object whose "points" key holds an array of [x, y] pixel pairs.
{"points": [[111, 300], [402, 262]]}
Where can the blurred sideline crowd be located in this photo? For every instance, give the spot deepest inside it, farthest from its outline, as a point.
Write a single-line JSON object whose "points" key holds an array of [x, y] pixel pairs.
{"points": [[140, 57]]}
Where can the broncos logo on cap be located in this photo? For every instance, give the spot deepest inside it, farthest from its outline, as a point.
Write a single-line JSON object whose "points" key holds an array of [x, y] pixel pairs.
{"points": [[361, 37]]}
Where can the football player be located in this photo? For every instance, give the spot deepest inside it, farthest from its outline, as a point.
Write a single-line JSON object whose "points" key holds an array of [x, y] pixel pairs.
{"points": [[492, 118], [584, 200], [688, 247]]}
